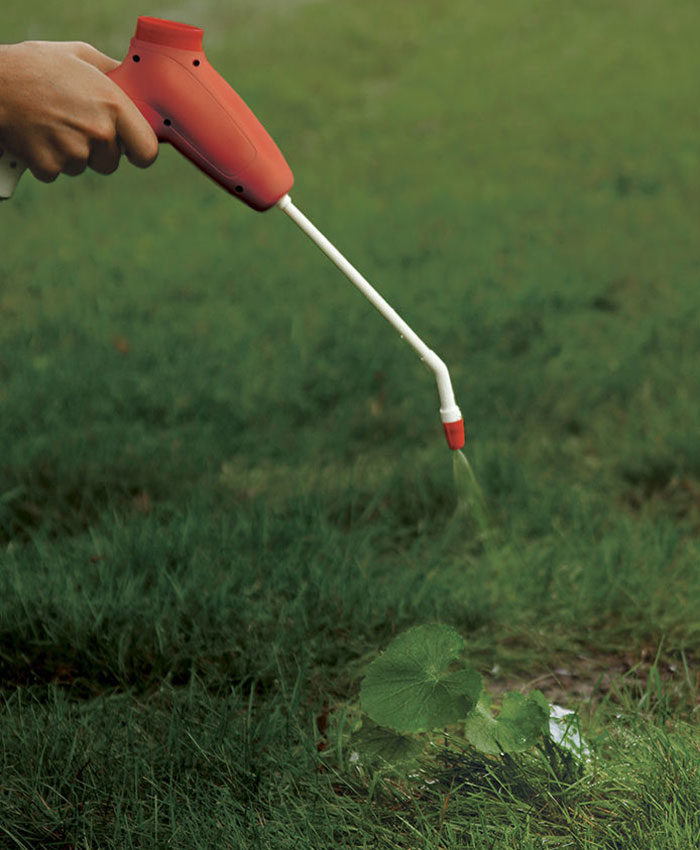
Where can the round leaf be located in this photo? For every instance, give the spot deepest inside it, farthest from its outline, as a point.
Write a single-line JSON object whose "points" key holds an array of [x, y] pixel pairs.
{"points": [[384, 745], [520, 722], [410, 686]]}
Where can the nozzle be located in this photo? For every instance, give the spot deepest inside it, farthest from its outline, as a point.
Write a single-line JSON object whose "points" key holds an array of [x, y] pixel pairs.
{"points": [[169, 33], [454, 431]]}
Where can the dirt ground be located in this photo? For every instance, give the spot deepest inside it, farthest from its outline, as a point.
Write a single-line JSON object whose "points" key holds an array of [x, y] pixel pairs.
{"points": [[587, 682]]}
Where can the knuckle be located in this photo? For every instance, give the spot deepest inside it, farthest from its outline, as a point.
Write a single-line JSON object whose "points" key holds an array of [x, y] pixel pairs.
{"points": [[103, 130], [81, 48], [77, 151], [114, 100]]}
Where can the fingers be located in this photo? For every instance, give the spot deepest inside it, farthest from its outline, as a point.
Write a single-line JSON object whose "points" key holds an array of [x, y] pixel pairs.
{"points": [[44, 171], [104, 157], [74, 167], [102, 153], [135, 133], [132, 130]]}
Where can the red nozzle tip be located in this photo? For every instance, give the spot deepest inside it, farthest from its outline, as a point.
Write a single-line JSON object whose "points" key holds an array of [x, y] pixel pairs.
{"points": [[454, 431]]}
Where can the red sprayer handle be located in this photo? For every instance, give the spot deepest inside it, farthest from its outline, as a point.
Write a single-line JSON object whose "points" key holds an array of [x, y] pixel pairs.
{"points": [[189, 105]]}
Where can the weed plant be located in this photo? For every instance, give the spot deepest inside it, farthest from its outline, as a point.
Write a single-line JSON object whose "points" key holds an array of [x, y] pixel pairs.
{"points": [[223, 484]]}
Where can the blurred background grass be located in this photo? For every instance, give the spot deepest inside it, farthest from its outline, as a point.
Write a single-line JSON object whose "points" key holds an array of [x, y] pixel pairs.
{"points": [[219, 468]]}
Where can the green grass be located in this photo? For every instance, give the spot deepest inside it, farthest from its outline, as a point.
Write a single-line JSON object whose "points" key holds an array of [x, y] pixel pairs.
{"points": [[223, 483]]}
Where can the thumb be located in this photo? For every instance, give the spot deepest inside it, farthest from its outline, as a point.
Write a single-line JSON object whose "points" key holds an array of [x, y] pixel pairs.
{"points": [[93, 57]]}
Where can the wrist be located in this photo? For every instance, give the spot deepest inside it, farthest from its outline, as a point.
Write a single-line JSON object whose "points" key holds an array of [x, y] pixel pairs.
{"points": [[5, 65]]}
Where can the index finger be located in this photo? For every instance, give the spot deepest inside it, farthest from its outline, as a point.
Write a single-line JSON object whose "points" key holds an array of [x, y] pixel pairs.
{"points": [[136, 135]]}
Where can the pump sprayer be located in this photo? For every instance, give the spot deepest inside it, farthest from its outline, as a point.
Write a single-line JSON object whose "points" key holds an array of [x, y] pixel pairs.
{"points": [[189, 105]]}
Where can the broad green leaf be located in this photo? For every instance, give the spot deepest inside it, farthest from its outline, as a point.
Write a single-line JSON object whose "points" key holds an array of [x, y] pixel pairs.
{"points": [[410, 686], [379, 743], [520, 722]]}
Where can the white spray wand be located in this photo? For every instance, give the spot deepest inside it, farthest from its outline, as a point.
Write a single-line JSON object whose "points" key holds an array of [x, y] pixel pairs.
{"points": [[450, 414], [11, 170]]}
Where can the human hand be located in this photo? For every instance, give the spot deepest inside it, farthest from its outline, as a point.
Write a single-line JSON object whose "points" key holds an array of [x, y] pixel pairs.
{"points": [[60, 113]]}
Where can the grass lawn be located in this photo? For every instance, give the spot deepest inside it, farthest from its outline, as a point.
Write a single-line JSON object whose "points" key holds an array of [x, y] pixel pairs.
{"points": [[223, 483]]}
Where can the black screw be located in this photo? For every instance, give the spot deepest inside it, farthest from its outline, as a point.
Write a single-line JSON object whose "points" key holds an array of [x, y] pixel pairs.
{"points": [[167, 122], [239, 188], [136, 58], [196, 63]]}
